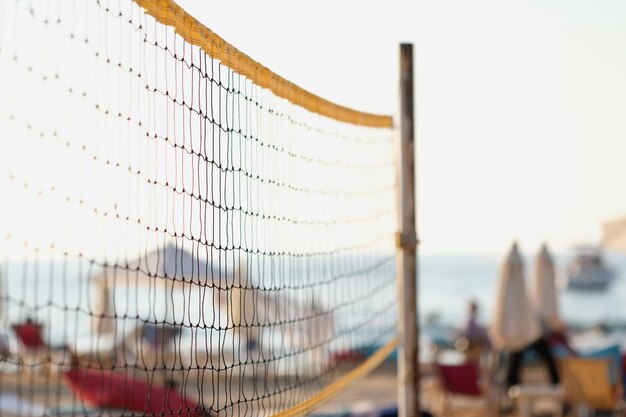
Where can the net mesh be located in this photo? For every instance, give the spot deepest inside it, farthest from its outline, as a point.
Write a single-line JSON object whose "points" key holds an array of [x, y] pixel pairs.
{"points": [[176, 240]]}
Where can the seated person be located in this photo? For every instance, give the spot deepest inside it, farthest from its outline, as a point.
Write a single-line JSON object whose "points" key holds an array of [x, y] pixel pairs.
{"points": [[472, 338], [475, 333]]}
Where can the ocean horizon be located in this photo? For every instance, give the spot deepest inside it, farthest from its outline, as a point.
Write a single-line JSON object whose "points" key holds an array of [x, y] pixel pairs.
{"points": [[59, 295], [448, 282]]}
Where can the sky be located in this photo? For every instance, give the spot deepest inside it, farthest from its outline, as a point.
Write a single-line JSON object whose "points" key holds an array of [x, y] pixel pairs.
{"points": [[519, 117], [77, 164]]}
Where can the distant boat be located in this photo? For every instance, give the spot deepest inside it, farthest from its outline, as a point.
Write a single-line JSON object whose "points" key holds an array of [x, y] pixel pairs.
{"points": [[587, 270]]}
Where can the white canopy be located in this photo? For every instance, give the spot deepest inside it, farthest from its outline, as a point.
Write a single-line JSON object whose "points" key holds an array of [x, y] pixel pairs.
{"points": [[514, 324], [232, 297], [170, 265]]}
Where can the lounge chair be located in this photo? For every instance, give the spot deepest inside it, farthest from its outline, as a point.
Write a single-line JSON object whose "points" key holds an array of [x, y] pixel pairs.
{"points": [[587, 383], [461, 383], [32, 349], [29, 335], [612, 353], [106, 389]]}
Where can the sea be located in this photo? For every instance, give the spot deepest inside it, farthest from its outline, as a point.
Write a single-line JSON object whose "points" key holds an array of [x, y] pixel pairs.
{"points": [[447, 283]]}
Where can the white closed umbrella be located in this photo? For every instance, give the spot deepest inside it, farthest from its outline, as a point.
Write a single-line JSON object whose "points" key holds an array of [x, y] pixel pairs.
{"points": [[103, 323], [543, 291], [515, 323], [251, 310]]}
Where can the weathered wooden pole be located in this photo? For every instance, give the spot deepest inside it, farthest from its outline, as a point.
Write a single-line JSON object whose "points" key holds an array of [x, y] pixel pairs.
{"points": [[408, 361]]}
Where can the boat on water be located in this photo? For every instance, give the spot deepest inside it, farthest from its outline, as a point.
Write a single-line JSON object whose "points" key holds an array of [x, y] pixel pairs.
{"points": [[587, 270]]}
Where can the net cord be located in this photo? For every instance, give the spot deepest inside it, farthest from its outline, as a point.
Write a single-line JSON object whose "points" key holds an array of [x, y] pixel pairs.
{"points": [[168, 13], [333, 389]]}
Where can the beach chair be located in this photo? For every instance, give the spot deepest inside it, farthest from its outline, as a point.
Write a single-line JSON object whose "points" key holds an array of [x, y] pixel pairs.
{"points": [[116, 390], [32, 348], [29, 335], [587, 383], [460, 384], [613, 354]]}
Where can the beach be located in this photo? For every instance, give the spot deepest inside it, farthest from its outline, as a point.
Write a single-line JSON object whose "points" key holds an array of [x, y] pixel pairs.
{"points": [[595, 320], [371, 395]]}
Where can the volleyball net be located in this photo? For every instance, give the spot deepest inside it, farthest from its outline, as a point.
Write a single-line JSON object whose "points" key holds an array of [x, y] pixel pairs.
{"points": [[183, 232]]}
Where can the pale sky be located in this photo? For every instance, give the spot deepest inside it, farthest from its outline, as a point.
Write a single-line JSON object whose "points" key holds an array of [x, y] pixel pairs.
{"points": [[84, 181], [520, 104], [519, 118]]}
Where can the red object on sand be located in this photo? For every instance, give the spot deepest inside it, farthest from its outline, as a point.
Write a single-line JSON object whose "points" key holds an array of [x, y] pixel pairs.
{"points": [[347, 356], [460, 379], [29, 335], [118, 391]]}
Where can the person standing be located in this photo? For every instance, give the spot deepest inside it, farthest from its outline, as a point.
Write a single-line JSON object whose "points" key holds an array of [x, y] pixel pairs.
{"points": [[516, 326]]}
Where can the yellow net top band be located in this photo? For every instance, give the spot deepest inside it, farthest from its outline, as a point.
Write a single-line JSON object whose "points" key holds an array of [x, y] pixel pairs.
{"points": [[167, 12]]}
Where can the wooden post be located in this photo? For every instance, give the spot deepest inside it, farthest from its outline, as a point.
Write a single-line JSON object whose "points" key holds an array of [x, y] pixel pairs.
{"points": [[408, 361]]}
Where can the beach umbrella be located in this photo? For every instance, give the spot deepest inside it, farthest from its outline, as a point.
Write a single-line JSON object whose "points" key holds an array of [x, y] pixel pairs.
{"points": [[543, 290], [233, 294], [172, 263], [614, 234], [102, 323], [167, 267], [242, 306], [514, 323], [250, 310]]}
